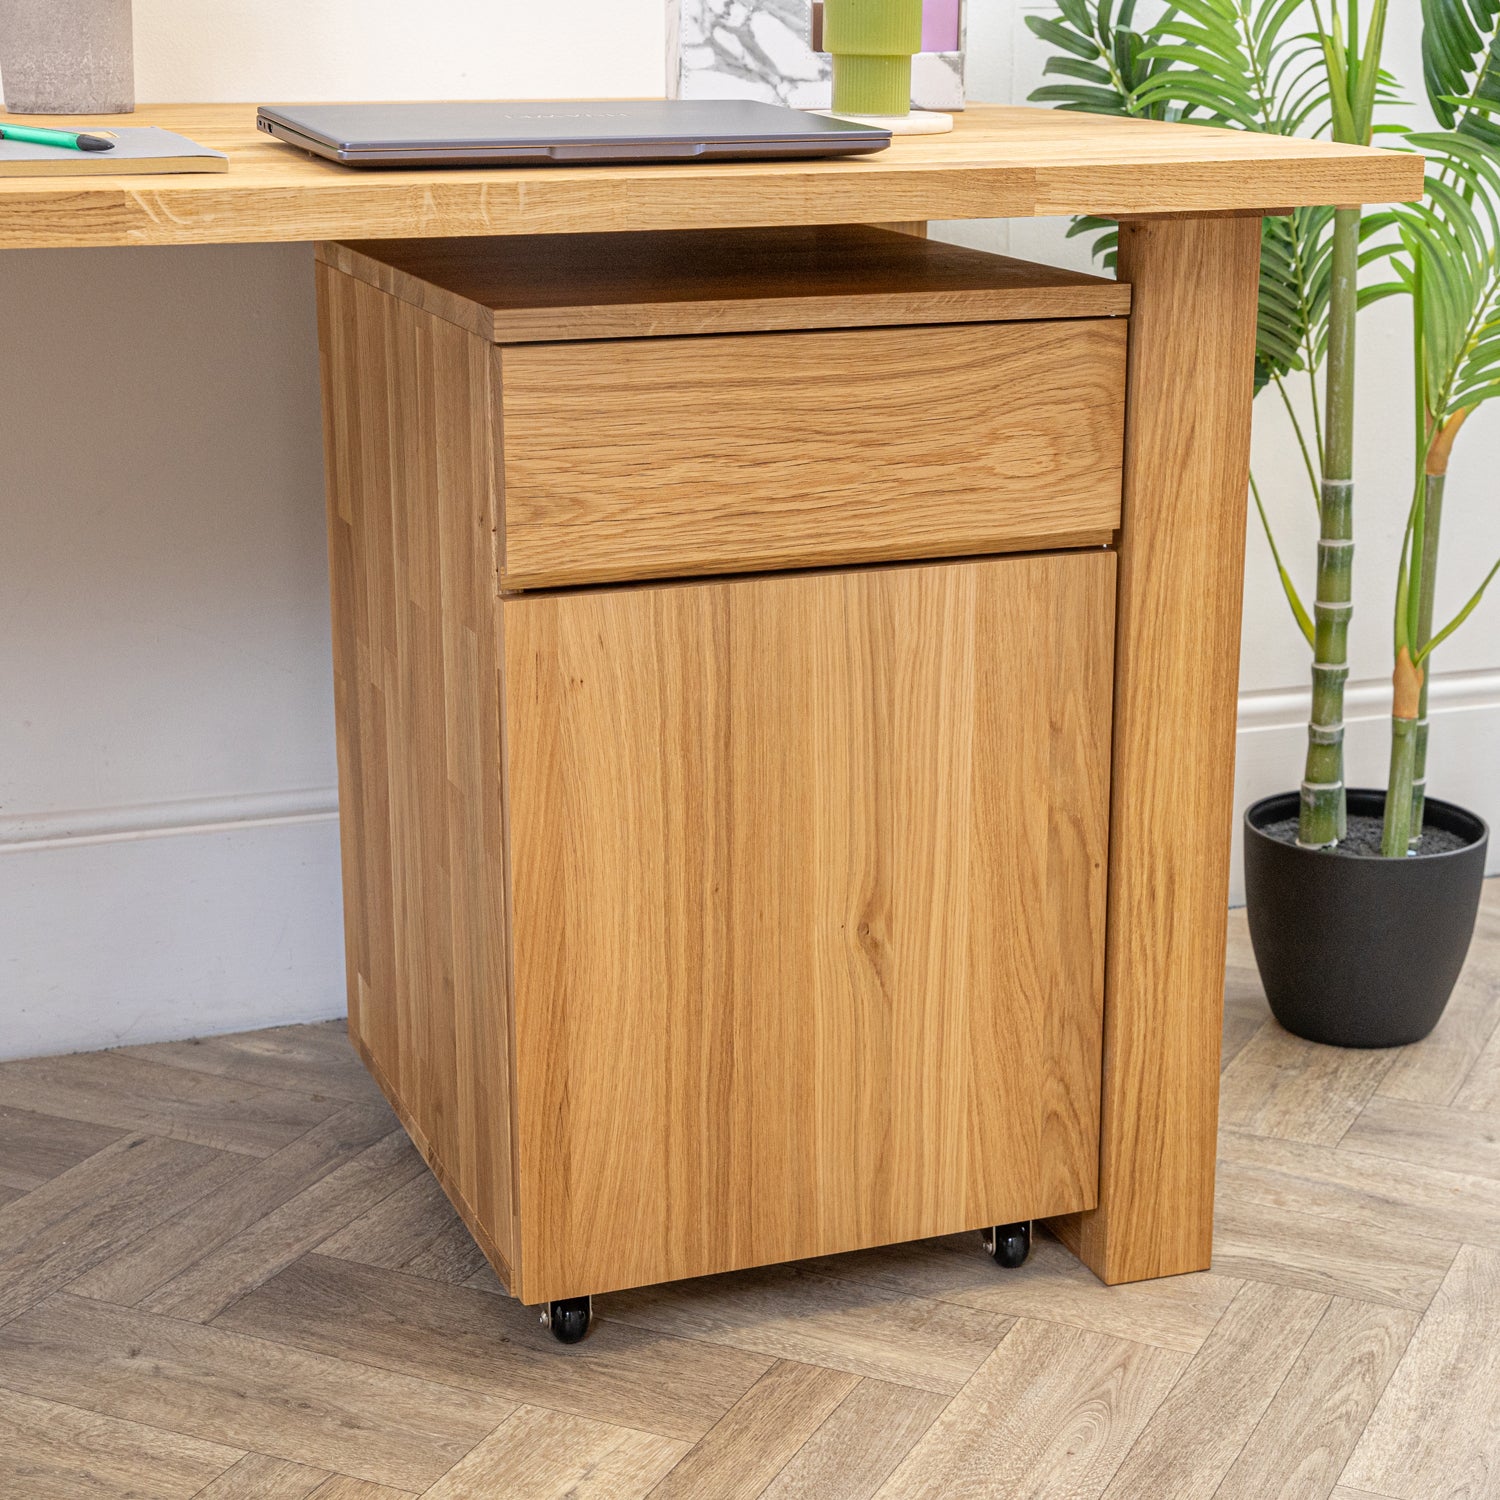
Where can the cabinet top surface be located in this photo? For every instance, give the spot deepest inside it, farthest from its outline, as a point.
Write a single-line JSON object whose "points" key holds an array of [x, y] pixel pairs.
{"points": [[999, 162], [525, 288]]}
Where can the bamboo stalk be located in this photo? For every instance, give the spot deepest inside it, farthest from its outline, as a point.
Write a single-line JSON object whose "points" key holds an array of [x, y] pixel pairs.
{"points": [[1409, 684], [1396, 832], [1435, 477], [1427, 589], [1322, 820]]}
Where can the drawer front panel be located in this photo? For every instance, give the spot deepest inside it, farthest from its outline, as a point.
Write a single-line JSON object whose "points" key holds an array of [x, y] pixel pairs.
{"points": [[674, 457], [807, 881]]}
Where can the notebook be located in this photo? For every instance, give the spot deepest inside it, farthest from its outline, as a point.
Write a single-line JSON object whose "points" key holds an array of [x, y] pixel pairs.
{"points": [[139, 149]]}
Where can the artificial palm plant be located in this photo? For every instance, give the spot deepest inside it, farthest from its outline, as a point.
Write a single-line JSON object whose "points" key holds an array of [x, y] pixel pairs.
{"points": [[1449, 264], [1295, 67]]}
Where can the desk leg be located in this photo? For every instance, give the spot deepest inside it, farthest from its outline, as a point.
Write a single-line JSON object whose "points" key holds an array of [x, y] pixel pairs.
{"points": [[1181, 548]]}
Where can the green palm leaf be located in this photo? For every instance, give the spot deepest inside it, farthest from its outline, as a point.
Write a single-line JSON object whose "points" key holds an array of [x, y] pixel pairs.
{"points": [[1449, 259], [1258, 65], [1233, 62], [1461, 64], [1094, 41]]}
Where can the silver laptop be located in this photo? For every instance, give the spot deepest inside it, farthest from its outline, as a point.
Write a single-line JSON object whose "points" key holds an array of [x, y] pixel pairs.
{"points": [[538, 134]]}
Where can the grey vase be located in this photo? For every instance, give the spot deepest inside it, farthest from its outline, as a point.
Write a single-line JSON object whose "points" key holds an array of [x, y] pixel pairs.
{"points": [[67, 57]]}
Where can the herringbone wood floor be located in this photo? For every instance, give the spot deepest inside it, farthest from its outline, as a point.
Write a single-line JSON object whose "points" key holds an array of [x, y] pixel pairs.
{"points": [[225, 1273]]}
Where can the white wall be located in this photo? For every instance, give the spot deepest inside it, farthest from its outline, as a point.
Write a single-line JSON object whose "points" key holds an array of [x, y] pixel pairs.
{"points": [[168, 835], [258, 50], [168, 817]]}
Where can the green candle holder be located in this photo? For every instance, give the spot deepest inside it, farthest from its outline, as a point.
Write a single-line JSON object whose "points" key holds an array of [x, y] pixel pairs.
{"points": [[872, 42]]}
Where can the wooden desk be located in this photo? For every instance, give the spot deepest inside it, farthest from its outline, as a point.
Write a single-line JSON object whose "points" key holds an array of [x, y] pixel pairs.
{"points": [[1190, 200], [998, 163]]}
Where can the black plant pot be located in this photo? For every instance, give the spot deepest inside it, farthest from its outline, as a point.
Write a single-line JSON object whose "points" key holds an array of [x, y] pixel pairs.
{"points": [[1355, 951]]}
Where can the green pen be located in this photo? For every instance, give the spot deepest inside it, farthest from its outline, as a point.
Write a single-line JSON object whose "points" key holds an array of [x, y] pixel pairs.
{"points": [[72, 140]]}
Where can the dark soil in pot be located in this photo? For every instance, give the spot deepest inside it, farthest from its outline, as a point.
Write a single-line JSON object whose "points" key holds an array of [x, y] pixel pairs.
{"points": [[1362, 837], [1354, 950]]}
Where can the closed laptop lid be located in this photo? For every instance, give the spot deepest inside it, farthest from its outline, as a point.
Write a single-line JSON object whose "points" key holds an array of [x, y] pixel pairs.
{"points": [[478, 126]]}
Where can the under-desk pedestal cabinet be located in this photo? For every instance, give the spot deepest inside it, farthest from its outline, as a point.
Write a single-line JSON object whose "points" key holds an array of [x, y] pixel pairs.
{"points": [[726, 648]]}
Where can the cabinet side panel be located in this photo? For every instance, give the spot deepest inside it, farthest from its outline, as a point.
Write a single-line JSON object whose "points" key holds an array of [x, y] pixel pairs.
{"points": [[416, 637], [781, 930], [356, 446]]}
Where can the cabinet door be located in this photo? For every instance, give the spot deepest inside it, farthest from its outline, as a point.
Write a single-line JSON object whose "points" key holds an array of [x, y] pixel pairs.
{"points": [[807, 878]]}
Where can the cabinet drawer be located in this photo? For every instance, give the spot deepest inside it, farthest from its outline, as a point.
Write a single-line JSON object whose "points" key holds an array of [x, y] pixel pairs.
{"points": [[808, 911], [675, 457]]}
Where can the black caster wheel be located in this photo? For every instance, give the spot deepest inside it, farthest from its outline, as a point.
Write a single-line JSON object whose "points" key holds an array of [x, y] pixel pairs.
{"points": [[1009, 1244], [569, 1319]]}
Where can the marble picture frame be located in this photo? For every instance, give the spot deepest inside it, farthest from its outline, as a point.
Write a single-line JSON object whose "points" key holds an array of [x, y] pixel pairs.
{"points": [[762, 49]]}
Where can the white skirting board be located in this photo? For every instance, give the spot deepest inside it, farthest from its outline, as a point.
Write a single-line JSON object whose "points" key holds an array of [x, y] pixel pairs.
{"points": [[151, 933], [150, 924], [1463, 762]]}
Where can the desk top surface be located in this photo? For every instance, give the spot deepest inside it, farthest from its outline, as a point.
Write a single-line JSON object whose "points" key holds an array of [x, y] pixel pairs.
{"points": [[1000, 162]]}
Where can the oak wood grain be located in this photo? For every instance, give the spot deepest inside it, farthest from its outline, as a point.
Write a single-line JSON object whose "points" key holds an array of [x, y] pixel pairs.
{"points": [[1044, 1416], [784, 1312], [482, 1342], [849, 853], [256, 1477], [262, 1248], [1366, 1227], [643, 458], [36, 1147], [305, 1059], [1408, 1199], [138, 1266], [411, 515], [114, 1089], [1181, 546], [1326, 1255], [1052, 1412], [870, 1431], [415, 1230], [221, 1387], [1303, 1441], [341, 1487], [1173, 1312], [54, 1452], [529, 288], [1278, 1086], [548, 1455], [998, 162], [68, 1225], [1453, 1140], [1187, 1447], [1436, 1430], [756, 1437]]}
